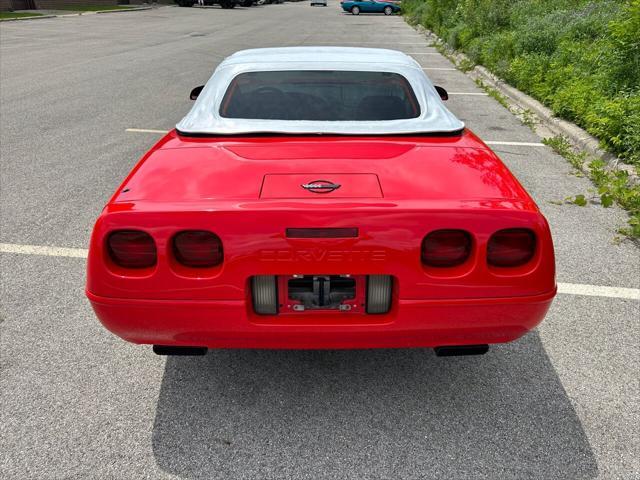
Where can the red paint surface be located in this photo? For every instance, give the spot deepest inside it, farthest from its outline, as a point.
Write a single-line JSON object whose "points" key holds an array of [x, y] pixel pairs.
{"points": [[424, 184]]}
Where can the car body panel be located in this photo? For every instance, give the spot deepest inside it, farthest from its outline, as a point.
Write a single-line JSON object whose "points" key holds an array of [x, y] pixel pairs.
{"points": [[232, 324], [234, 168], [427, 183]]}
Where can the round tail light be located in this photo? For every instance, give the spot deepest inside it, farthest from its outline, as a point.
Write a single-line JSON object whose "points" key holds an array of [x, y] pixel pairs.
{"points": [[132, 249], [446, 248], [197, 249], [511, 247]]}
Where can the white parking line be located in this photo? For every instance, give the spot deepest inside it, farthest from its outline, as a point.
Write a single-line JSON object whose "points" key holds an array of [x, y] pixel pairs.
{"points": [[40, 250], [515, 144], [564, 288], [599, 291], [144, 130]]}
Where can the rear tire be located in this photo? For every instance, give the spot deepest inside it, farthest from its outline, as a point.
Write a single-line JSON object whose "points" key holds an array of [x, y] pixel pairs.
{"points": [[185, 3], [388, 10], [355, 10], [247, 3], [379, 293], [264, 292]]}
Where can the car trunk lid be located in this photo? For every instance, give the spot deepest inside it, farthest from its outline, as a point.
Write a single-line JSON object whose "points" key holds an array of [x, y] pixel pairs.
{"points": [[320, 169]]}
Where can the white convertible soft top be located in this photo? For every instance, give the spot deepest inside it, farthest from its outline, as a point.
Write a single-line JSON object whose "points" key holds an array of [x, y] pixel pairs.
{"points": [[204, 117]]}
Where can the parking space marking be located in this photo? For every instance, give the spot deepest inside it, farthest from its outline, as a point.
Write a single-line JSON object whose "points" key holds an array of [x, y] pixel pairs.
{"points": [[599, 291], [563, 288], [145, 130], [40, 250], [515, 144]]}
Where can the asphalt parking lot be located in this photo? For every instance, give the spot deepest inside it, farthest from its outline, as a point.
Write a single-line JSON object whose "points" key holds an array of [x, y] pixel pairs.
{"points": [[77, 402]]}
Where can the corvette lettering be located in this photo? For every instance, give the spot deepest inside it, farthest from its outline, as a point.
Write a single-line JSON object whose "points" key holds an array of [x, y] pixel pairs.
{"points": [[322, 255]]}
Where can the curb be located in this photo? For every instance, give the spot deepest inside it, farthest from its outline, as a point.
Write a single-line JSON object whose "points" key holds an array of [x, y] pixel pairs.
{"points": [[64, 15], [22, 19], [136, 9], [576, 135], [561, 127]]}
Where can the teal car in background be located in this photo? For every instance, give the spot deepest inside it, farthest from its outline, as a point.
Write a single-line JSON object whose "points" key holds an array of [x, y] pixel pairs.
{"points": [[370, 6]]}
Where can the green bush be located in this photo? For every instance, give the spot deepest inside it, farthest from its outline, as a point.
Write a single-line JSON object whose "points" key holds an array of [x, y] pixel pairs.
{"points": [[579, 57]]}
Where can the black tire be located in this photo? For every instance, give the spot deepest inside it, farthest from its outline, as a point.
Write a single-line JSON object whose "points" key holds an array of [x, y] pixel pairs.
{"points": [[185, 3], [355, 10], [379, 293], [388, 10], [227, 4], [264, 294], [247, 3]]}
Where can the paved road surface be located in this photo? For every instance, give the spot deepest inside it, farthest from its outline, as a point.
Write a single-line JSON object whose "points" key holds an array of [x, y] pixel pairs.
{"points": [[76, 402]]}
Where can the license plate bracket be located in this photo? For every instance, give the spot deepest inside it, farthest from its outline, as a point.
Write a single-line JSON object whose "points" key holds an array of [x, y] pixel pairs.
{"points": [[321, 293]]}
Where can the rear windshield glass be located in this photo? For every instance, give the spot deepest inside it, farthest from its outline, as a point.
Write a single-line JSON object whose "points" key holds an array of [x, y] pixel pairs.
{"points": [[320, 95]]}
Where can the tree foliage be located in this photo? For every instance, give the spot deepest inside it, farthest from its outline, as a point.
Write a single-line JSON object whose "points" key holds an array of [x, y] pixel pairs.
{"points": [[581, 58]]}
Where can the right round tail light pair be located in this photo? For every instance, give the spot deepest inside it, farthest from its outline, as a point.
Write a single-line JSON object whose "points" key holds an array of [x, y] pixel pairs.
{"points": [[510, 247]]}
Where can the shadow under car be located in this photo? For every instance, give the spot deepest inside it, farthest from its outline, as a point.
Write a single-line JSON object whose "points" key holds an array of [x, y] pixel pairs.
{"points": [[369, 414]]}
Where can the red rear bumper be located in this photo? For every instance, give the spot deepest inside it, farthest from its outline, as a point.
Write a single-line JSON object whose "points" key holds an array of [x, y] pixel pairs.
{"points": [[232, 323]]}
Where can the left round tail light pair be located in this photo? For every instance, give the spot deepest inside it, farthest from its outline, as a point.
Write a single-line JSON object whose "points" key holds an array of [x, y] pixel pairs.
{"points": [[191, 248]]}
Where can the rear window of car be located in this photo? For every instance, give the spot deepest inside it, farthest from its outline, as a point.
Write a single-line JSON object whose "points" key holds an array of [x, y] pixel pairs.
{"points": [[322, 95]]}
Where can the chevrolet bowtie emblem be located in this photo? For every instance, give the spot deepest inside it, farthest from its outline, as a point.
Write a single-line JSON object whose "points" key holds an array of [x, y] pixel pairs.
{"points": [[320, 186]]}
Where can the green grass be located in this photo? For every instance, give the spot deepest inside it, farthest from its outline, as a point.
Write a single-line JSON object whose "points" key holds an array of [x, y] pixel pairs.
{"points": [[612, 185], [581, 58], [10, 15]]}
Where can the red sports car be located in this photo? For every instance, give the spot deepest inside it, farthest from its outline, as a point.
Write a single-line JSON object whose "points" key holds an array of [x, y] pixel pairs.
{"points": [[320, 198]]}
